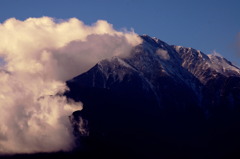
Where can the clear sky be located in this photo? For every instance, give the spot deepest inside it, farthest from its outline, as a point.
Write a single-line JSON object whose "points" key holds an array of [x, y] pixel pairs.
{"points": [[206, 25]]}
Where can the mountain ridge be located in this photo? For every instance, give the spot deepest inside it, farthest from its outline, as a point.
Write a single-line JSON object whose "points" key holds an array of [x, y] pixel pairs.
{"points": [[161, 95]]}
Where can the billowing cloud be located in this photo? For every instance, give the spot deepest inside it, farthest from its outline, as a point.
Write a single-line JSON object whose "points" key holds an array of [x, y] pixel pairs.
{"points": [[39, 55]]}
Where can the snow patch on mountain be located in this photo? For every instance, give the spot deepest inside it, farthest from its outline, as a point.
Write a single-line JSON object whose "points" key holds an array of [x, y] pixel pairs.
{"points": [[223, 66], [201, 65]]}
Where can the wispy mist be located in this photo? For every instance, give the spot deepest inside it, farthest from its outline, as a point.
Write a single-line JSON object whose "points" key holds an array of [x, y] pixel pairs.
{"points": [[40, 54]]}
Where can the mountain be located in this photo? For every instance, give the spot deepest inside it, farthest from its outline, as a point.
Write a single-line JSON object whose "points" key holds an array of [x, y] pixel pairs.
{"points": [[161, 101]]}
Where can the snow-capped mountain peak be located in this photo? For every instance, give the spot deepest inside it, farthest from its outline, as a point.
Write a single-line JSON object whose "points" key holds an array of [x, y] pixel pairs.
{"points": [[223, 66], [201, 65], [160, 92]]}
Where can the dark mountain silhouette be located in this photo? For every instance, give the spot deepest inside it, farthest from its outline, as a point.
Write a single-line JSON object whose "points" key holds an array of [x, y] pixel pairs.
{"points": [[162, 101]]}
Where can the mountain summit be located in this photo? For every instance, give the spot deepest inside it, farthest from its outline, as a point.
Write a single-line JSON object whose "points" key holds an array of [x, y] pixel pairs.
{"points": [[161, 101]]}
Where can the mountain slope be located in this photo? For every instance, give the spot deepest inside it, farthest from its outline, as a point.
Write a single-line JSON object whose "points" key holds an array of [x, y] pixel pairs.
{"points": [[161, 99]]}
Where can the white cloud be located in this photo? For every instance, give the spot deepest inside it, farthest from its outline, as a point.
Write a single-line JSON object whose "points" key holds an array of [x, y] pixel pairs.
{"points": [[163, 54], [39, 55]]}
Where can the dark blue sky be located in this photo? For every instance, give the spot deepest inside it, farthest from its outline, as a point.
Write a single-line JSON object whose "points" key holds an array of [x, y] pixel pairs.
{"points": [[206, 25]]}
